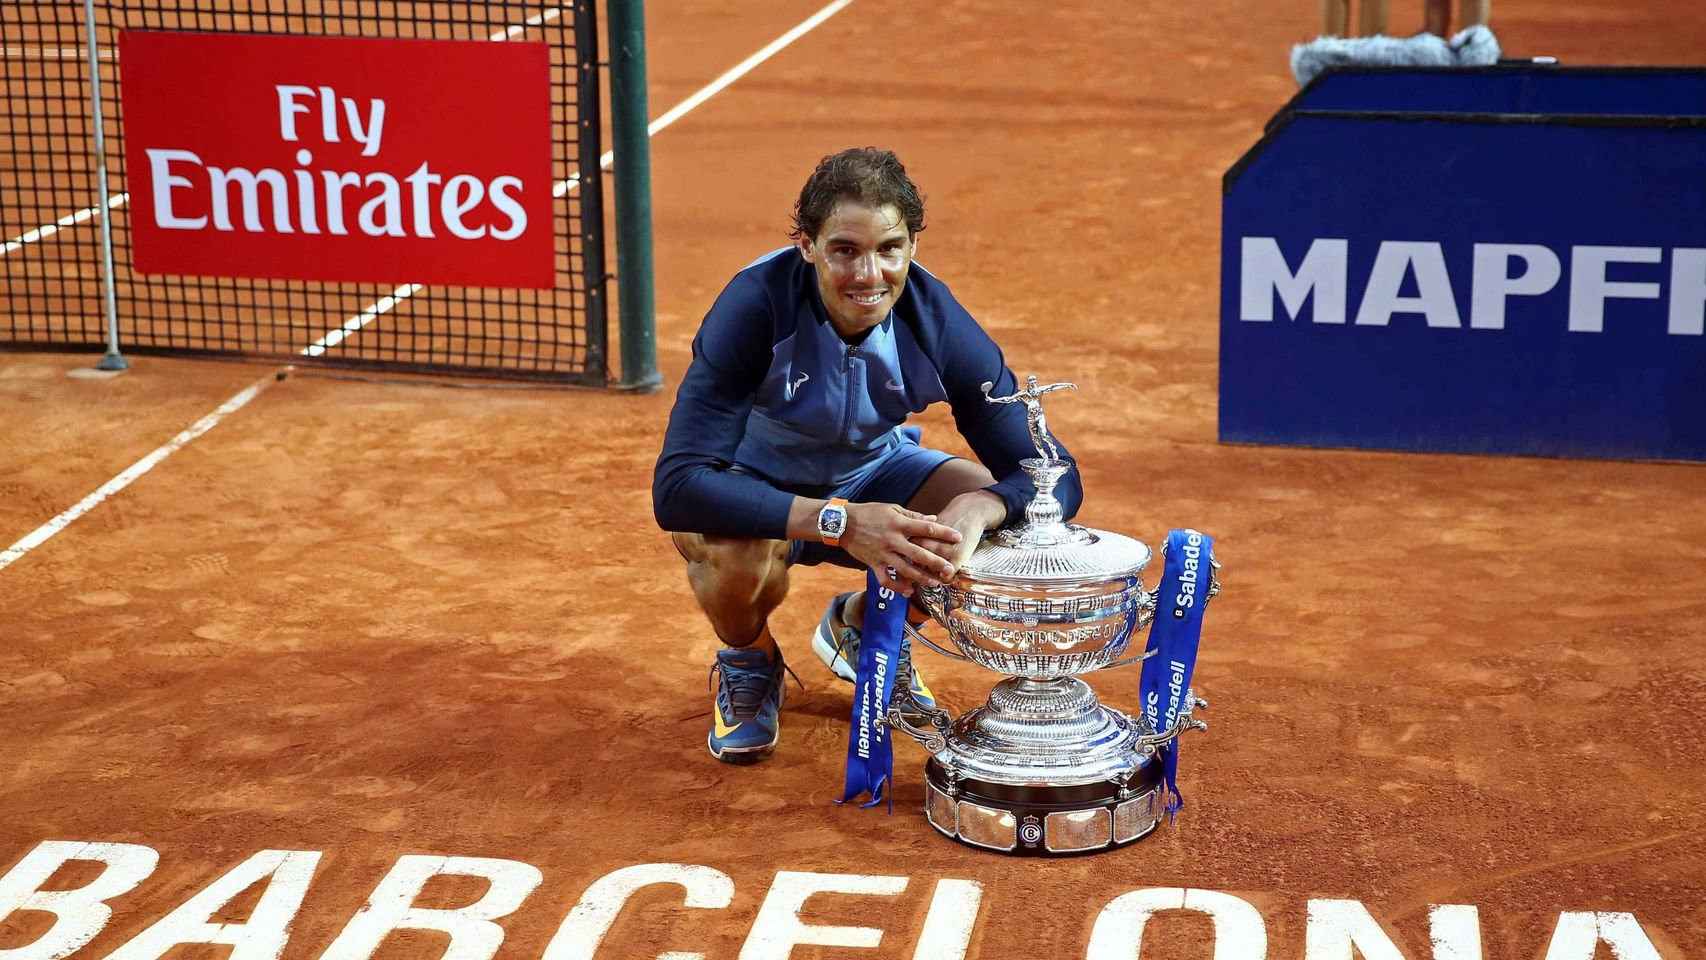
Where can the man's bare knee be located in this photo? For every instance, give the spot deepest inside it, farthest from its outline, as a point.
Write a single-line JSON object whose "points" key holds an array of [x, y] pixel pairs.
{"points": [[737, 581], [949, 480], [731, 566]]}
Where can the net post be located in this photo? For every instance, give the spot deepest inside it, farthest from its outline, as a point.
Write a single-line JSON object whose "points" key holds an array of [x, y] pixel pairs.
{"points": [[633, 168], [113, 360], [589, 167]]}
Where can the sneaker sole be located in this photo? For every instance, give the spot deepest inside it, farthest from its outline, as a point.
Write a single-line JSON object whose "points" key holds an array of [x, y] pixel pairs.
{"points": [[824, 647], [743, 755]]}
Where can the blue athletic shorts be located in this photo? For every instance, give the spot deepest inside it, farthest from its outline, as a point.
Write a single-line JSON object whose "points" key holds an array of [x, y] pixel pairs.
{"points": [[896, 478]]}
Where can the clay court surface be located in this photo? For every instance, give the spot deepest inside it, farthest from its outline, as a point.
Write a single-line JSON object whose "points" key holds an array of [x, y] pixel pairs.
{"points": [[374, 620]]}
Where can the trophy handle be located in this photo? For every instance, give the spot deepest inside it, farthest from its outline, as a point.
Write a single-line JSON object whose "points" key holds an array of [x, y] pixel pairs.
{"points": [[1145, 655], [903, 705], [1146, 610], [933, 738], [1145, 616], [1147, 743], [913, 633]]}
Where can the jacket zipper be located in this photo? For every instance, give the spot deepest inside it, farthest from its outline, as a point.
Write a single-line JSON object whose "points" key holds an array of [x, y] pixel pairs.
{"points": [[847, 408]]}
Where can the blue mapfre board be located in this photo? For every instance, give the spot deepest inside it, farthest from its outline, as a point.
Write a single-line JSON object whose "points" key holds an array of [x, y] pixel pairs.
{"points": [[1468, 283], [1508, 88]]}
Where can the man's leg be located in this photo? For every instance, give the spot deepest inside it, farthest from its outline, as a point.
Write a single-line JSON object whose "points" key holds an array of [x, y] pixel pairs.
{"points": [[951, 479], [738, 582]]}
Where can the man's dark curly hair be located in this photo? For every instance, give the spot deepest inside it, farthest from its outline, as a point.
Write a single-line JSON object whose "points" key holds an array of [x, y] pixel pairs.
{"points": [[868, 175]]}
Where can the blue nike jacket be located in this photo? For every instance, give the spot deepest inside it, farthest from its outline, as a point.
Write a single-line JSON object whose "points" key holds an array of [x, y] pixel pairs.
{"points": [[773, 389]]}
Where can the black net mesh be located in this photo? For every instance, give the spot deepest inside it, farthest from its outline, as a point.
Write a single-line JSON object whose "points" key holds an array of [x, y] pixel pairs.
{"points": [[50, 208]]}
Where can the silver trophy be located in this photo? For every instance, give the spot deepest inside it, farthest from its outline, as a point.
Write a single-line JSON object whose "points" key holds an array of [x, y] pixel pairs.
{"points": [[1042, 767]]}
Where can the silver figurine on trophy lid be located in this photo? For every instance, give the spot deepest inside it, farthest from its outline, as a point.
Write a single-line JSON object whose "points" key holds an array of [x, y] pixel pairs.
{"points": [[1042, 767]]}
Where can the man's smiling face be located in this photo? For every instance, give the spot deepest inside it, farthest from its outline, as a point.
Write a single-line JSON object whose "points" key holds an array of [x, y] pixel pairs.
{"points": [[861, 255]]}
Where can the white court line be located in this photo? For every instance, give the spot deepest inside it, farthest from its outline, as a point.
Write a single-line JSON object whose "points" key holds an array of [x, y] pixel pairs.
{"points": [[119, 200], [135, 470], [388, 303], [510, 33], [374, 311], [70, 219], [745, 66], [385, 304]]}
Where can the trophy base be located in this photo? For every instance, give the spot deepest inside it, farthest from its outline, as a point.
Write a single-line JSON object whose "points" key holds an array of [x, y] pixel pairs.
{"points": [[1043, 820]]}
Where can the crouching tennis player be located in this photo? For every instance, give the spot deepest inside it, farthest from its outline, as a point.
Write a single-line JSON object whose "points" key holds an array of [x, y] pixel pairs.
{"points": [[787, 441]]}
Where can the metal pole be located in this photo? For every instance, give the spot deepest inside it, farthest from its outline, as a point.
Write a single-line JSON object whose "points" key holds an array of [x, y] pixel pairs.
{"points": [[113, 359], [589, 161], [633, 167]]}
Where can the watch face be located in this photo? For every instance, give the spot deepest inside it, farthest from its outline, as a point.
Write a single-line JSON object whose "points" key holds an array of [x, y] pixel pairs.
{"points": [[832, 521]]}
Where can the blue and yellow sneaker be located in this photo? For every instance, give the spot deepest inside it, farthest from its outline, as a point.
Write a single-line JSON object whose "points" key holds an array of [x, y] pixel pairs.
{"points": [[746, 713], [837, 645]]}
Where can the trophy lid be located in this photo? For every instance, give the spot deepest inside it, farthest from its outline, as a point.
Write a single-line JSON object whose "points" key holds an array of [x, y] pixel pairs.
{"points": [[1082, 554]]}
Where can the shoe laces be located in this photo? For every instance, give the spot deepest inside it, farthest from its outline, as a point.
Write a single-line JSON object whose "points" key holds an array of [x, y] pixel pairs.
{"points": [[846, 642], [746, 687]]}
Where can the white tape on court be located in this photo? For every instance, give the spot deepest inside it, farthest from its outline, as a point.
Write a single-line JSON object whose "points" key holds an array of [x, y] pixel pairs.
{"points": [[40, 535], [69, 220]]}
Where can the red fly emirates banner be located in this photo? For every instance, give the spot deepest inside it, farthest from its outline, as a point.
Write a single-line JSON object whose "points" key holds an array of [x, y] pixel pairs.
{"points": [[320, 158]]}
